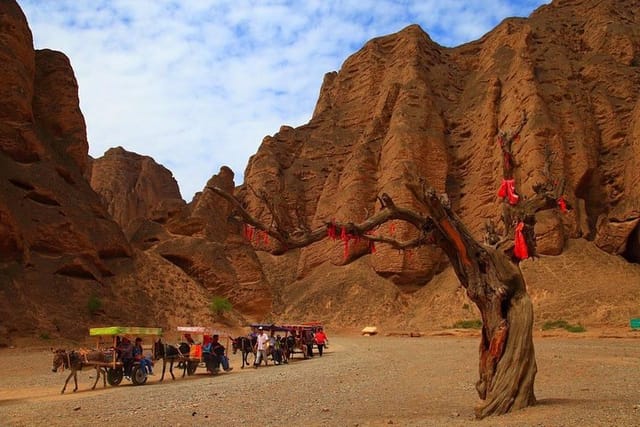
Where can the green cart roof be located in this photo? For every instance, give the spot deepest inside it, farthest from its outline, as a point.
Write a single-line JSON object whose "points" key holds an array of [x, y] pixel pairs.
{"points": [[124, 330]]}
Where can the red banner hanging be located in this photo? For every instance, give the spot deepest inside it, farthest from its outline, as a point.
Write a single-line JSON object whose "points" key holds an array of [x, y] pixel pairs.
{"points": [[520, 249], [508, 189], [562, 204], [331, 230]]}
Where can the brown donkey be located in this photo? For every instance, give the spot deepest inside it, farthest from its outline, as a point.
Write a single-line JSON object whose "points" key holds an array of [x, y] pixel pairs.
{"points": [[75, 361]]}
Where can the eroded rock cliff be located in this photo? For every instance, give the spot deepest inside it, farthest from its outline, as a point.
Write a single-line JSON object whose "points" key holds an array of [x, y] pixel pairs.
{"points": [[402, 108]]}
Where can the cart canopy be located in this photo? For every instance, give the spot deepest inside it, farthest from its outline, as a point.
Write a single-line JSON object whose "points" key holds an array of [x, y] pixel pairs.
{"points": [[124, 330], [202, 330]]}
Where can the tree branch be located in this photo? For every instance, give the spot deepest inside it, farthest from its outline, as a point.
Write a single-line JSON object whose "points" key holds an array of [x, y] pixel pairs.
{"points": [[301, 238]]}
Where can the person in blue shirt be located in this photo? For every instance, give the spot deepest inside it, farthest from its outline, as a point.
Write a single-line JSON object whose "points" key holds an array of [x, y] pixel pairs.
{"points": [[138, 354]]}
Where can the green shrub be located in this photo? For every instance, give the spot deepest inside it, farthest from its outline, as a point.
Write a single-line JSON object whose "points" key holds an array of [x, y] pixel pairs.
{"points": [[94, 304], [468, 324], [562, 324], [220, 305], [575, 328], [44, 336]]}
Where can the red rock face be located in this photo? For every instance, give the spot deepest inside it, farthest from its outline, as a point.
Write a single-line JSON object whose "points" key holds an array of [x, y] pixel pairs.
{"points": [[400, 109], [56, 234], [196, 238], [49, 209], [135, 187], [57, 107], [404, 108], [17, 68]]}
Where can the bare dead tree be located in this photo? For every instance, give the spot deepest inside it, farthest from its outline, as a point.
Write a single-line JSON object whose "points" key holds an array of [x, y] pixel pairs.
{"points": [[490, 274], [491, 277]]}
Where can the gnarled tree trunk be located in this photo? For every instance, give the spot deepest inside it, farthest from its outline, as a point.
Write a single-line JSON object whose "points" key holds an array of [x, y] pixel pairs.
{"points": [[496, 285]]}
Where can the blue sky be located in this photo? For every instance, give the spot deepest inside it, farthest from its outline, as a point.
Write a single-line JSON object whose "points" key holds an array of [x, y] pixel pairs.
{"points": [[197, 84]]}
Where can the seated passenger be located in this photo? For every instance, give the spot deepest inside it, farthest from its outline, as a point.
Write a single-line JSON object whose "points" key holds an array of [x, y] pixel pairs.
{"points": [[209, 357], [125, 354], [219, 351], [138, 355]]}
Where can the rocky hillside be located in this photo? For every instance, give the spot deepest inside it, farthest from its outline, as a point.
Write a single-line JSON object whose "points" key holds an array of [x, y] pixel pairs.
{"points": [[73, 256], [404, 108], [75, 229], [134, 186]]}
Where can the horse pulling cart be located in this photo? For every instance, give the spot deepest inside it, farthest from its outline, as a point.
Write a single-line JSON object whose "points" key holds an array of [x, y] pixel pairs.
{"points": [[108, 358], [196, 356], [296, 338], [117, 366], [300, 338]]}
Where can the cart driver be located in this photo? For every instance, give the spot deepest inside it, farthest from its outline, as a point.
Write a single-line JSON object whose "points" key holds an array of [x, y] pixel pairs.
{"points": [[125, 353], [125, 349]]}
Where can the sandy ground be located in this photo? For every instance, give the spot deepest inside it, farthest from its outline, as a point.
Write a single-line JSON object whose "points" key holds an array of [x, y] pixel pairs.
{"points": [[360, 381]]}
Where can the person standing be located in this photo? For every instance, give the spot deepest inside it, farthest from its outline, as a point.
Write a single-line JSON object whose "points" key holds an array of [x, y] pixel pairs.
{"points": [[308, 340], [261, 345], [276, 351], [321, 340]]}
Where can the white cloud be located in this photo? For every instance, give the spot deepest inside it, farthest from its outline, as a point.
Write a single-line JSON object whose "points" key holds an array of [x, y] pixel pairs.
{"points": [[197, 84]]}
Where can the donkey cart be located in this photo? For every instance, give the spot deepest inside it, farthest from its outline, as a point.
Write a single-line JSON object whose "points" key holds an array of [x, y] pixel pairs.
{"points": [[117, 364], [197, 337]]}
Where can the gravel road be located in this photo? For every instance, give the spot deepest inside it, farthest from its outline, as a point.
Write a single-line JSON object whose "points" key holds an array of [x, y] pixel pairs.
{"points": [[360, 381]]}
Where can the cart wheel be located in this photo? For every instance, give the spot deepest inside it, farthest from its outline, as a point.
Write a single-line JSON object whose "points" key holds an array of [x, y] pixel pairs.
{"points": [[138, 375], [114, 376], [191, 367]]}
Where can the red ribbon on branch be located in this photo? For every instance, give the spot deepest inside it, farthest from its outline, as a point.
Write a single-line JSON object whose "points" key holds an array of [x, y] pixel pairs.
{"points": [[248, 231], [562, 204], [331, 230], [508, 189], [345, 242], [520, 249]]}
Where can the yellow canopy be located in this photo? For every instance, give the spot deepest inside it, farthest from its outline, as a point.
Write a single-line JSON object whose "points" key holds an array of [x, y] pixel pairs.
{"points": [[124, 330]]}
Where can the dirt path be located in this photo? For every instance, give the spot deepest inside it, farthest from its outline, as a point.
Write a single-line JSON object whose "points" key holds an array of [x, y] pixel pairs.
{"points": [[360, 381]]}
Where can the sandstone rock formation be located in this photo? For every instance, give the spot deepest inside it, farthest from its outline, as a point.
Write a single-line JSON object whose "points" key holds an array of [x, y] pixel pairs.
{"points": [[134, 186], [56, 234], [404, 107], [60, 247]]}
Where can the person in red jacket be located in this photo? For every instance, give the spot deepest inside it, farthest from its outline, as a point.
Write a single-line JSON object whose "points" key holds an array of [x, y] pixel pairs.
{"points": [[321, 340]]}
